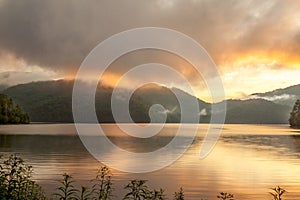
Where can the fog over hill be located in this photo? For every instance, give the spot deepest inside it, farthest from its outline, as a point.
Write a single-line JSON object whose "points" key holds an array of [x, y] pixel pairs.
{"points": [[51, 101], [285, 96]]}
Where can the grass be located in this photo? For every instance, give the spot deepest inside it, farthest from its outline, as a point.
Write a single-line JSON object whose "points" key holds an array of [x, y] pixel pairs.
{"points": [[16, 184]]}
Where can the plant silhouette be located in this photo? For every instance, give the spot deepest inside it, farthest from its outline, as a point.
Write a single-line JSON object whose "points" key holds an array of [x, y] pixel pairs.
{"points": [[277, 193], [103, 186], [179, 195], [137, 190], [225, 196], [15, 180], [67, 191]]}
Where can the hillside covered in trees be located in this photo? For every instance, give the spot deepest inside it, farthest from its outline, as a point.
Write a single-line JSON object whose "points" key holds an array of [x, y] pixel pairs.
{"points": [[11, 113], [51, 101]]}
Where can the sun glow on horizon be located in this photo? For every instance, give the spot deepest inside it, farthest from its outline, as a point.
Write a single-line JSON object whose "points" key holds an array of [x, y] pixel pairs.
{"points": [[242, 76]]}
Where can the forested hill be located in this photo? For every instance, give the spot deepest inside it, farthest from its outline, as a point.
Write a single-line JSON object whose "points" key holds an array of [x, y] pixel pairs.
{"points": [[11, 113], [283, 96], [51, 101]]}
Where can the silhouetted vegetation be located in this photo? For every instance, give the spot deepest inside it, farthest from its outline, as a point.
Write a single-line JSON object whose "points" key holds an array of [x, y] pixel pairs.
{"points": [[66, 190], [103, 184], [51, 101], [137, 190], [15, 181], [85, 194], [225, 196], [11, 113], [277, 193], [295, 115], [16, 184], [256, 111], [179, 195], [158, 194]]}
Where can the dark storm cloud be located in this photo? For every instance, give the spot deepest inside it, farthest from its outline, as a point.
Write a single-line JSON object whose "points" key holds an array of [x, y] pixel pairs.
{"points": [[58, 34], [228, 29]]}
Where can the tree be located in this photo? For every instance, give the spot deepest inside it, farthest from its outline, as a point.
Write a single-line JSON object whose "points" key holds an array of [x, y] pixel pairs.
{"points": [[11, 113], [295, 115]]}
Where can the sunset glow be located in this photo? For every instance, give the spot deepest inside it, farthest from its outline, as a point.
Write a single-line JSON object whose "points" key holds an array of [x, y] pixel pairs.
{"points": [[255, 45], [150, 99]]}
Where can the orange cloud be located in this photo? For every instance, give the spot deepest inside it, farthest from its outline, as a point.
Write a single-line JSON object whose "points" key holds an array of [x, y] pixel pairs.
{"points": [[275, 59]]}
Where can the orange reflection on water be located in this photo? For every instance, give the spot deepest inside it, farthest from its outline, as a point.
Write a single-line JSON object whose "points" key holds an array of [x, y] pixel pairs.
{"points": [[247, 160]]}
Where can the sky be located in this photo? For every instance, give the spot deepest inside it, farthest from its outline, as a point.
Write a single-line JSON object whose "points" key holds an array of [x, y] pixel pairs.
{"points": [[255, 44]]}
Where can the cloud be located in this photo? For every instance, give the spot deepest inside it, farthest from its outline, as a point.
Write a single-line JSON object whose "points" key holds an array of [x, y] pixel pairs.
{"points": [[167, 111], [282, 97], [14, 77], [56, 35], [203, 112], [59, 34]]}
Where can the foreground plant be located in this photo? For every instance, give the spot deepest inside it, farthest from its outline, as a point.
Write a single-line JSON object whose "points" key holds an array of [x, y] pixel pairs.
{"points": [[157, 194], [85, 194], [138, 190], [103, 186], [15, 180], [67, 190], [225, 196], [16, 184], [179, 195], [277, 193]]}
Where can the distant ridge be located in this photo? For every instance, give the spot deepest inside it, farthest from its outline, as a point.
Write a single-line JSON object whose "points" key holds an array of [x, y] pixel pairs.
{"points": [[50, 101], [284, 96], [294, 89]]}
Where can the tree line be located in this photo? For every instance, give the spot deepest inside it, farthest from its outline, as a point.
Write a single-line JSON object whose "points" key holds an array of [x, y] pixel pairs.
{"points": [[11, 113]]}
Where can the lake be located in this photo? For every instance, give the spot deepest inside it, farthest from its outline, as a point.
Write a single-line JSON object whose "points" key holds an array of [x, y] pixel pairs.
{"points": [[247, 160]]}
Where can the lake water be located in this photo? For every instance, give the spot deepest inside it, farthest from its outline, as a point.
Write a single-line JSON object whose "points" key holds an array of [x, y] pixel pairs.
{"points": [[247, 160]]}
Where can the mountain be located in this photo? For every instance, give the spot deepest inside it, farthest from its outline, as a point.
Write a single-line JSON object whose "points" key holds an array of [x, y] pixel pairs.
{"points": [[51, 101], [11, 78], [48, 101], [256, 111], [3, 87], [152, 94], [286, 96]]}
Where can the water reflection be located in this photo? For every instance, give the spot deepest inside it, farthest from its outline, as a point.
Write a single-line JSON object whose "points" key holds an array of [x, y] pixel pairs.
{"points": [[279, 145], [247, 160]]}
